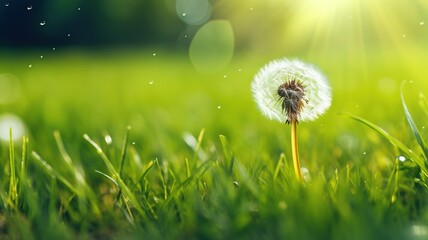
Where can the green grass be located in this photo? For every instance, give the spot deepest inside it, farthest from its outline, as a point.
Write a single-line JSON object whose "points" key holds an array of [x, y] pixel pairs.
{"points": [[198, 161]]}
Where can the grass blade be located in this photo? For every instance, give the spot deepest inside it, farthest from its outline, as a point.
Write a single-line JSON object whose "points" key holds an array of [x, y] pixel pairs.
{"points": [[24, 161], [49, 170], [124, 150], [122, 186], [408, 152], [13, 193], [415, 130]]}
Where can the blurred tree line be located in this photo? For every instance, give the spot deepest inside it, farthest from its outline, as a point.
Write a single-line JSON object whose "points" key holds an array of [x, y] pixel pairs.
{"points": [[45, 23]]}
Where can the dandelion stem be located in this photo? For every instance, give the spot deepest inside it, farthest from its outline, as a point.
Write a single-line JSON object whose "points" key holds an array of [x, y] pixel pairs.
{"points": [[295, 150]]}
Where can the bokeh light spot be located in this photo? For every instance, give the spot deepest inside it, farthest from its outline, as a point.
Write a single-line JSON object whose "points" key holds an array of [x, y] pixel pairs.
{"points": [[193, 12], [212, 47], [10, 121]]}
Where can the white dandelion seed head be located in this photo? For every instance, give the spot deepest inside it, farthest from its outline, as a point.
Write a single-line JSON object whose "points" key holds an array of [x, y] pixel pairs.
{"points": [[265, 86]]}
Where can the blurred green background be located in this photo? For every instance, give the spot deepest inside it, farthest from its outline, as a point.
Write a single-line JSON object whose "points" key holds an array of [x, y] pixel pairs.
{"points": [[94, 66], [169, 68]]}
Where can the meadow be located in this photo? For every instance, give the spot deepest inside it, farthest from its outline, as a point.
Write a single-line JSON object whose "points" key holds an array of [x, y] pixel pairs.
{"points": [[138, 144]]}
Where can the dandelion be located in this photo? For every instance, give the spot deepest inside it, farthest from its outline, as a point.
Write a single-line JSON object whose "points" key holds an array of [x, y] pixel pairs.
{"points": [[291, 91]]}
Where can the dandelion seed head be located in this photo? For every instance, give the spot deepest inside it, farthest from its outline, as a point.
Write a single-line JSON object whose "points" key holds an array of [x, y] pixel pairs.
{"points": [[310, 91]]}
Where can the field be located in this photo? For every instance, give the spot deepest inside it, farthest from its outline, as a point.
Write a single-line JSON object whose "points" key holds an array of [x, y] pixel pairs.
{"points": [[138, 144]]}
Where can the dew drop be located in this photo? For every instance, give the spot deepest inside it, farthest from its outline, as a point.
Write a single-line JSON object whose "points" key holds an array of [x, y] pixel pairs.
{"points": [[43, 23], [29, 8], [184, 14], [133, 143], [154, 54], [219, 107], [108, 139], [31, 65], [421, 23], [185, 36], [402, 158]]}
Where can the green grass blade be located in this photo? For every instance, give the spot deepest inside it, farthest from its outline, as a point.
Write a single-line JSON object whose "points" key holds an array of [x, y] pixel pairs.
{"points": [[13, 193], [423, 102], [122, 186], [408, 152], [415, 130], [24, 161], [108, 177], [49, 170], [124, 150]]}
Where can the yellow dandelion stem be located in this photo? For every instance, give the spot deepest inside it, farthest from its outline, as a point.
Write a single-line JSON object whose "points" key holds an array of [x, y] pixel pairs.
{"points": [[295, 150]]}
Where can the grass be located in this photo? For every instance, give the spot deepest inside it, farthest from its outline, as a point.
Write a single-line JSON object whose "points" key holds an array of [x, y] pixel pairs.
{"points": [[198, 161]]}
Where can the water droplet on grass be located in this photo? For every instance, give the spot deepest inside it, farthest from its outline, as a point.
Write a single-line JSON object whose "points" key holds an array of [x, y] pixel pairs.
{"points": [[108, 139], [421, 23], [8, 121], [401, 158], [43, 23], [29, 8]]}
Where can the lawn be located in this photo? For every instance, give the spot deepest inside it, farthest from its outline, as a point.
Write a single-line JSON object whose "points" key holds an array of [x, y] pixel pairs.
{"points": [[138, 144]]}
